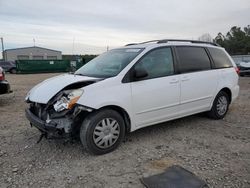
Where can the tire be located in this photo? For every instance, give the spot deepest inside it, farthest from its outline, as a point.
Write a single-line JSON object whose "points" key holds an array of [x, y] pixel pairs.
{"points": [[220, 106], [13, 71], [98, 135]]}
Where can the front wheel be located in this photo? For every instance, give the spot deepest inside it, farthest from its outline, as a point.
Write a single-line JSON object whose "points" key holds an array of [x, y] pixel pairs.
{"points": [[102, 131], [13, 71], [220, 106]]}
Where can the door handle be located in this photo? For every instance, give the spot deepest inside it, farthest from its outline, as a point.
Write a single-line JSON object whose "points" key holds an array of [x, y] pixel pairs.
{"points": [[185, 78], [174, 81]]}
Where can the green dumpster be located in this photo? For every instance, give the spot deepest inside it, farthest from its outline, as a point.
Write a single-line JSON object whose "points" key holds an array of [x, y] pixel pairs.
{"points": [[42, 66]]}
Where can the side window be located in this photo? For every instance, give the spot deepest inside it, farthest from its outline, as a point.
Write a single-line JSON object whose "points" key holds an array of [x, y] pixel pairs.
{"points": [[157, 63], [192, 59], [221, 60]]}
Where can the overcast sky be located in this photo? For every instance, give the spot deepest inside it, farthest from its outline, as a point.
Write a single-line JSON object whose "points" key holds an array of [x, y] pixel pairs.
{"points": [[80, 26]]}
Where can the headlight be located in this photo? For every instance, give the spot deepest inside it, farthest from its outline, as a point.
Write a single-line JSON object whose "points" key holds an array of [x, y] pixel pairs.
{"points": [[68, 102], [73, 97], [27, 97]]}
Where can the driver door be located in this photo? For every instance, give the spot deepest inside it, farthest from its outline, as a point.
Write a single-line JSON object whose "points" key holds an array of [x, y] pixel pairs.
{"points": [[156, 97]]}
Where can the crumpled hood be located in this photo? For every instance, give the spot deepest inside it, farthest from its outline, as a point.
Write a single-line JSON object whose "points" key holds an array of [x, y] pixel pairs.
{"points": [[45, 90]]}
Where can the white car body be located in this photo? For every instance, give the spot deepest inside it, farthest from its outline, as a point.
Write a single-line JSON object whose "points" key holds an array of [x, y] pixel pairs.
{"points": [[152, 101]]}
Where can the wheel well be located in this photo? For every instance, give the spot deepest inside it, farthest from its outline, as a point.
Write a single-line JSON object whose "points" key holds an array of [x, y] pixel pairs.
{"points": [[123, 113], [228, 91], [12, 68]]}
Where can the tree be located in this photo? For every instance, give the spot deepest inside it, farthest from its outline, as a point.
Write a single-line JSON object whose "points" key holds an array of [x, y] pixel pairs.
{"points": [[236, 41]]}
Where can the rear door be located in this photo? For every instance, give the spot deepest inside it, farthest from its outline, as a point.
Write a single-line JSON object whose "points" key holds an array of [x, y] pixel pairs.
{"points": [[198, 80], [156, 97]]}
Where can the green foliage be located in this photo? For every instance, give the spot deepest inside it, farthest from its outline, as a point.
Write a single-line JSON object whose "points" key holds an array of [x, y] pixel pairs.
{"points": [[79, 58], [86, 58], [236, 41]]}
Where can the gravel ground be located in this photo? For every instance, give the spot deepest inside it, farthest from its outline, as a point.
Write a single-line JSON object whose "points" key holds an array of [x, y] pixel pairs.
{"points": [[216, 151]]}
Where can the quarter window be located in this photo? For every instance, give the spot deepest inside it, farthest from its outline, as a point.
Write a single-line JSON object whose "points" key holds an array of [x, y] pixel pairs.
{"points": [[192, 59], [157, 63], [221, 60]]}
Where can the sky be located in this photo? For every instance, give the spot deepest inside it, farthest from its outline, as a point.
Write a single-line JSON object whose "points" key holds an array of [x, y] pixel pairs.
{"points": [[88, 27]]}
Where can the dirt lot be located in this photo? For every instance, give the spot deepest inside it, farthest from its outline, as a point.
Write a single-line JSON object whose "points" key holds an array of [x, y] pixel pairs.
{"points": [[216, 151]]}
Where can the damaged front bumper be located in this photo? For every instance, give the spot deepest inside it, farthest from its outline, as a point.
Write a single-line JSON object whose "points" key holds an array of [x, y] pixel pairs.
{"points": [[48, 130], [60, 125], [40, 124]]}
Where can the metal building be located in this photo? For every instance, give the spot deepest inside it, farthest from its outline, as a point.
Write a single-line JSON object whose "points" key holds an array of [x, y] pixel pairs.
{"points": [[32, 53]]}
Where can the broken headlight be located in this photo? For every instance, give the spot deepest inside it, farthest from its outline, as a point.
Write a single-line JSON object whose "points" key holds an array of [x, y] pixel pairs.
{"points": [[68, 100]]}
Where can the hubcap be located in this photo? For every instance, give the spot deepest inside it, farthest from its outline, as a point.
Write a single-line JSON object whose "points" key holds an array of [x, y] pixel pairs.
{"points": [[106, 133], [222, 105]]}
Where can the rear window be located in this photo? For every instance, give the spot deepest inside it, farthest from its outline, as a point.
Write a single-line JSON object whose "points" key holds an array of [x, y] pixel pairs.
{"points": [[192, 59], [221, 60]]}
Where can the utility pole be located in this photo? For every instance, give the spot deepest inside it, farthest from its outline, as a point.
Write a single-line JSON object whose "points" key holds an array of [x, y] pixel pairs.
{"points": [[73, 46], [2, 48]]}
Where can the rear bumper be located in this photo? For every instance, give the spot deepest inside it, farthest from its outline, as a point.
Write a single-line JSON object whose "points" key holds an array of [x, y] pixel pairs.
{"points": [[235, 92], [247, 71], [244, 70], [4, 87]]}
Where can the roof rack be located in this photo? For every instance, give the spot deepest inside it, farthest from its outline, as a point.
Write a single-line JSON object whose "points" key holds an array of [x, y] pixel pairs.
{"points": [[131, 44], [176, 40]]}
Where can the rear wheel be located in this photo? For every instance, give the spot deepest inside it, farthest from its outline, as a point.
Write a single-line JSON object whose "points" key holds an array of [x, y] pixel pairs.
{"points": [[220, 106], [102, 131]]}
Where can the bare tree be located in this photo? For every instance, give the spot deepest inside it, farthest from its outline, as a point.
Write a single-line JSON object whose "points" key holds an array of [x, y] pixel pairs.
{"points": [[206, 37]]}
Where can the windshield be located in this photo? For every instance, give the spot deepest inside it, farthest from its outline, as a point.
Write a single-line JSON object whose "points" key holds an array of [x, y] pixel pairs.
{"points": [[109, 64]]}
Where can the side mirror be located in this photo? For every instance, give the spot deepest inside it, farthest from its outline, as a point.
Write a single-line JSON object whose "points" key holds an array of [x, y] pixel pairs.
{"points": [[140, 73]]}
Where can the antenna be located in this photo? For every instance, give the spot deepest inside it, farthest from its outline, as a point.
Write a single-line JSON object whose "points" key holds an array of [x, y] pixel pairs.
{"points": [[34, 42], [2, 49], [73, 46]]}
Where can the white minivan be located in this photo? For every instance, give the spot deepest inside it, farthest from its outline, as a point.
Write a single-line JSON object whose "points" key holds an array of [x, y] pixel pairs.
{"points": [[132, 87]]}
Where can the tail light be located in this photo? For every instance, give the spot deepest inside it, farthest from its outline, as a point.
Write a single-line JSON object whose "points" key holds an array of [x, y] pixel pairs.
{"points": [[237, 70], [2, 74]]}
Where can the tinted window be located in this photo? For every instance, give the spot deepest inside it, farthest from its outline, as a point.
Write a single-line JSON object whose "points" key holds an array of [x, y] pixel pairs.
{"points": [[221, 60], [192, 59], [157, 63]]}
